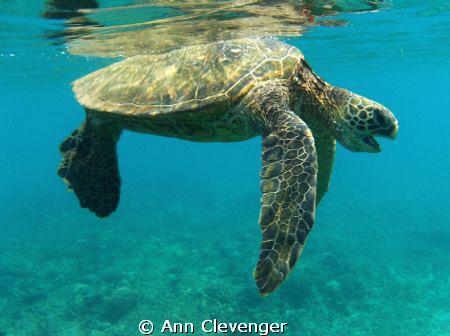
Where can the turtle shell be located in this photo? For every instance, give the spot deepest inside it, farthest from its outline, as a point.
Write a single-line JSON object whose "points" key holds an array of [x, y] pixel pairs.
{"points": [[187, 78]]}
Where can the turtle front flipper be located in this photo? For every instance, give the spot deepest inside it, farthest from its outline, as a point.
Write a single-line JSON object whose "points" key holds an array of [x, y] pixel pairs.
{"points": [[89, 166], [326, 150], [289, 178]]}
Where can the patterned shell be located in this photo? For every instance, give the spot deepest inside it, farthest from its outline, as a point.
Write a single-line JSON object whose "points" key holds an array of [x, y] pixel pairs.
{"points": [[186, 79]]}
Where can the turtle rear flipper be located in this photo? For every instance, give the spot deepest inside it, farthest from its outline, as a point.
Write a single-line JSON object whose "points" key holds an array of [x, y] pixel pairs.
{"points": [[89, 167]]}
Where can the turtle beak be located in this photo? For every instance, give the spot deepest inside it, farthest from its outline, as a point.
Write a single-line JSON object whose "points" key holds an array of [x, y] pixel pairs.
{"points": [[390, 133], [370, 140], [394, 131]]}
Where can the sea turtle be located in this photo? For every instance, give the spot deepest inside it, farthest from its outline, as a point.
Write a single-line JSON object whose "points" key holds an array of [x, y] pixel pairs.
{"points": [[227, 91]]}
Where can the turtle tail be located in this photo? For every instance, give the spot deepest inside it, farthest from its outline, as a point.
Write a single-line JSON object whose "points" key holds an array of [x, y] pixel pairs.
{"points": [[89, 166]]}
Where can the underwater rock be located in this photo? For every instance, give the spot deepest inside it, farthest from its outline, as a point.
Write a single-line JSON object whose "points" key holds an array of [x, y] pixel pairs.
{"points": [[33, 296], [86, 300], [333, 288], [121, 302], [29, 291], [336, 264], [113, 276], [219, 293], [351, 287], [334, 298]]}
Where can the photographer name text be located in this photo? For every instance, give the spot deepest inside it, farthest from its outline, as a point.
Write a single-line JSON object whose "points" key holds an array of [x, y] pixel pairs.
{"points": [[146, 327]]}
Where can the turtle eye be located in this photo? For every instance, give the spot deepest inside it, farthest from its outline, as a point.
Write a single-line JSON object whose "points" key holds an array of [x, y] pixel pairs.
{"points": [[379, 117]]}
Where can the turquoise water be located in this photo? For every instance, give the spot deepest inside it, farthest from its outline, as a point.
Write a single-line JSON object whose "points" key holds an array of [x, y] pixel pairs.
{"points": [[185, 238]]}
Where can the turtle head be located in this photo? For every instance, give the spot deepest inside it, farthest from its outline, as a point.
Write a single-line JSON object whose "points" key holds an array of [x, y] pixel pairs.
{"points": [[359, 120]]}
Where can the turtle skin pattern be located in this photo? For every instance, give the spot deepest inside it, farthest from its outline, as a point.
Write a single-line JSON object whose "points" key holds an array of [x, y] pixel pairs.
{"points": [[288, 184], [90, 168]]}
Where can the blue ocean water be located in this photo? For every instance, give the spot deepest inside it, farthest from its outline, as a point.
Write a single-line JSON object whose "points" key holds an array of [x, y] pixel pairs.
{"points": [[185, 238]]}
